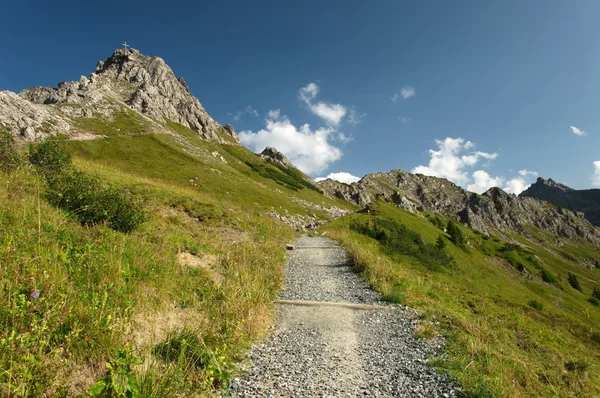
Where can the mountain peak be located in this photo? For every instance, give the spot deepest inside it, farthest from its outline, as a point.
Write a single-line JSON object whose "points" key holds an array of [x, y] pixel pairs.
{"points": [[276, 156], [126, 78], [551, 183]]}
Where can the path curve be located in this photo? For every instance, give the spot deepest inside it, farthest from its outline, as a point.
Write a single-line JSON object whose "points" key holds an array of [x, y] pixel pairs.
{"points": [[338, 342]]}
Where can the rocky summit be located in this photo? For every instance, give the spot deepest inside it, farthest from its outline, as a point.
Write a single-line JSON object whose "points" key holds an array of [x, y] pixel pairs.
{"points": [[586, 201], [494, 210], [127, 81]]}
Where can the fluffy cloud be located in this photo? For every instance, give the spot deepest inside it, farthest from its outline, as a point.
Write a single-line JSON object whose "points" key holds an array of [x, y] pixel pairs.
{"points": [[309, 150], [482, 181], [521, 183], [578, 131], [249, 110], [454, 158], [341, 177], [308, 93], [332, 114], [528, 173], [596, 175], [449, 162], [405, 93]]}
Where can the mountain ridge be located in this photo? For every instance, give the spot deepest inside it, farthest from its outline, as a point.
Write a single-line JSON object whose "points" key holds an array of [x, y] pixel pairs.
{"points": [[586, 201], [493, 210], [126, 81]]}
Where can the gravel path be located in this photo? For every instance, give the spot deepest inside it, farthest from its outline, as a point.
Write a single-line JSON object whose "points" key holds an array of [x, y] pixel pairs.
{"points": [[335, 351]]}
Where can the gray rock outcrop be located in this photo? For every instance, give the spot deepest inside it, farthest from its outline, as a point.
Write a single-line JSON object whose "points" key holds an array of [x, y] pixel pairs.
{"points": [[495, 209], [586, 201], [126, 79]]}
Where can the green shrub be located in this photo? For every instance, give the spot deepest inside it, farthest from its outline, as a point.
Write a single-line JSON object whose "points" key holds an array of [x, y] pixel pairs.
{"points": [[456, 235], [85, 198], [594, 301], [596, 337], [579, 366], [50, 156], [548, 277], [536, 305], [437, 221], [9, 157], [396, 238], [440, 243], [574, 282], [596, 292]]}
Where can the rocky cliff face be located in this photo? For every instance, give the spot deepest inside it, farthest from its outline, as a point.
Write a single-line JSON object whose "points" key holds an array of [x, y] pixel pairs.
{"points": [[127, 78], [495, 209], [586, 201]]}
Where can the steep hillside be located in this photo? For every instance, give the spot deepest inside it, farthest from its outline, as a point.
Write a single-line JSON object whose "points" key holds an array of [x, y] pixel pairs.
{"points": [[173, 303], [520, 317], [586, 201]]}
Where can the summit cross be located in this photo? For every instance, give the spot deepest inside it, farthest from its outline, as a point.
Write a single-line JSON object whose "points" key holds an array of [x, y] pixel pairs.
{"points": [[126, 45]]}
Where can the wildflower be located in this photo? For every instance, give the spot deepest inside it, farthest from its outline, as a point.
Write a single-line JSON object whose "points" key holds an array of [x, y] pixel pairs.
{"points": [[35, 294]]}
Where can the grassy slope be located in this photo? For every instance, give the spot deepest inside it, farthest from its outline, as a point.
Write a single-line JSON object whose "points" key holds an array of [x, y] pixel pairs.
{"points": [[498, 344], [103, 291]]}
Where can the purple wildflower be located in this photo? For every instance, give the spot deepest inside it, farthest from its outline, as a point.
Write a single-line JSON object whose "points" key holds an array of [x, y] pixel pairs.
{"points": [[35, 294]]}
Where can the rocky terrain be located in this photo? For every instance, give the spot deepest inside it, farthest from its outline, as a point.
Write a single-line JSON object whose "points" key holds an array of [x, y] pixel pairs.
{"points": [[495, 209], [126, 81], [586, 201], [336, 337]]}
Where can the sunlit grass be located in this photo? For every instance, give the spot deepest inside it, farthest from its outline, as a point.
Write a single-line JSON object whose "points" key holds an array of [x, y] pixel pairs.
{"points": [[498, 344]]}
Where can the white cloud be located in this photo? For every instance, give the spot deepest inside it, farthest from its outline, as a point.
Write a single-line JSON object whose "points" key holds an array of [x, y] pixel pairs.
{"points": [[274, 114], [455, 156], [447, 161], [526, 173], [518, 184], [332, 114], [404, 120], [596, 175], [341, 177], [344, 138], [308, 93], [405, 93], [249, 110], [578, 131], [309, 150], [355, 117], [482, 181]]}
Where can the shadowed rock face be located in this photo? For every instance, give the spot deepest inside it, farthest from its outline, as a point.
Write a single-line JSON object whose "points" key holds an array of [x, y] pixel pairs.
{"points": [[127, 78], [494, 209], [586, 201]]}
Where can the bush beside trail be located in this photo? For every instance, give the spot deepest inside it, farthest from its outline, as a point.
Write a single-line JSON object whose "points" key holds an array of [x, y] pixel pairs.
{"points": [[83, 196]]}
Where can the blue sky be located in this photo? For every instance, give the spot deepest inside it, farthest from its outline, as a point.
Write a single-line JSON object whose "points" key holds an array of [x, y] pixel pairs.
{"points": [[491, 88]]}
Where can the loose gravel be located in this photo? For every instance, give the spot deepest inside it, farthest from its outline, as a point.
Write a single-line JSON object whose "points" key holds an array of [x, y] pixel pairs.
{"points": [[324, 351]]}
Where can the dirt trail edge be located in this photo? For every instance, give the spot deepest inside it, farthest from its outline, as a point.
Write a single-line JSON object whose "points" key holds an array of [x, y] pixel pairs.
{"points": [[335, 337]]}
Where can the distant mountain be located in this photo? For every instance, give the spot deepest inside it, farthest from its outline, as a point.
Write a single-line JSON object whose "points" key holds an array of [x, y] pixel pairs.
{"points": [[494, 210], [126, 87], [586, 201]]}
